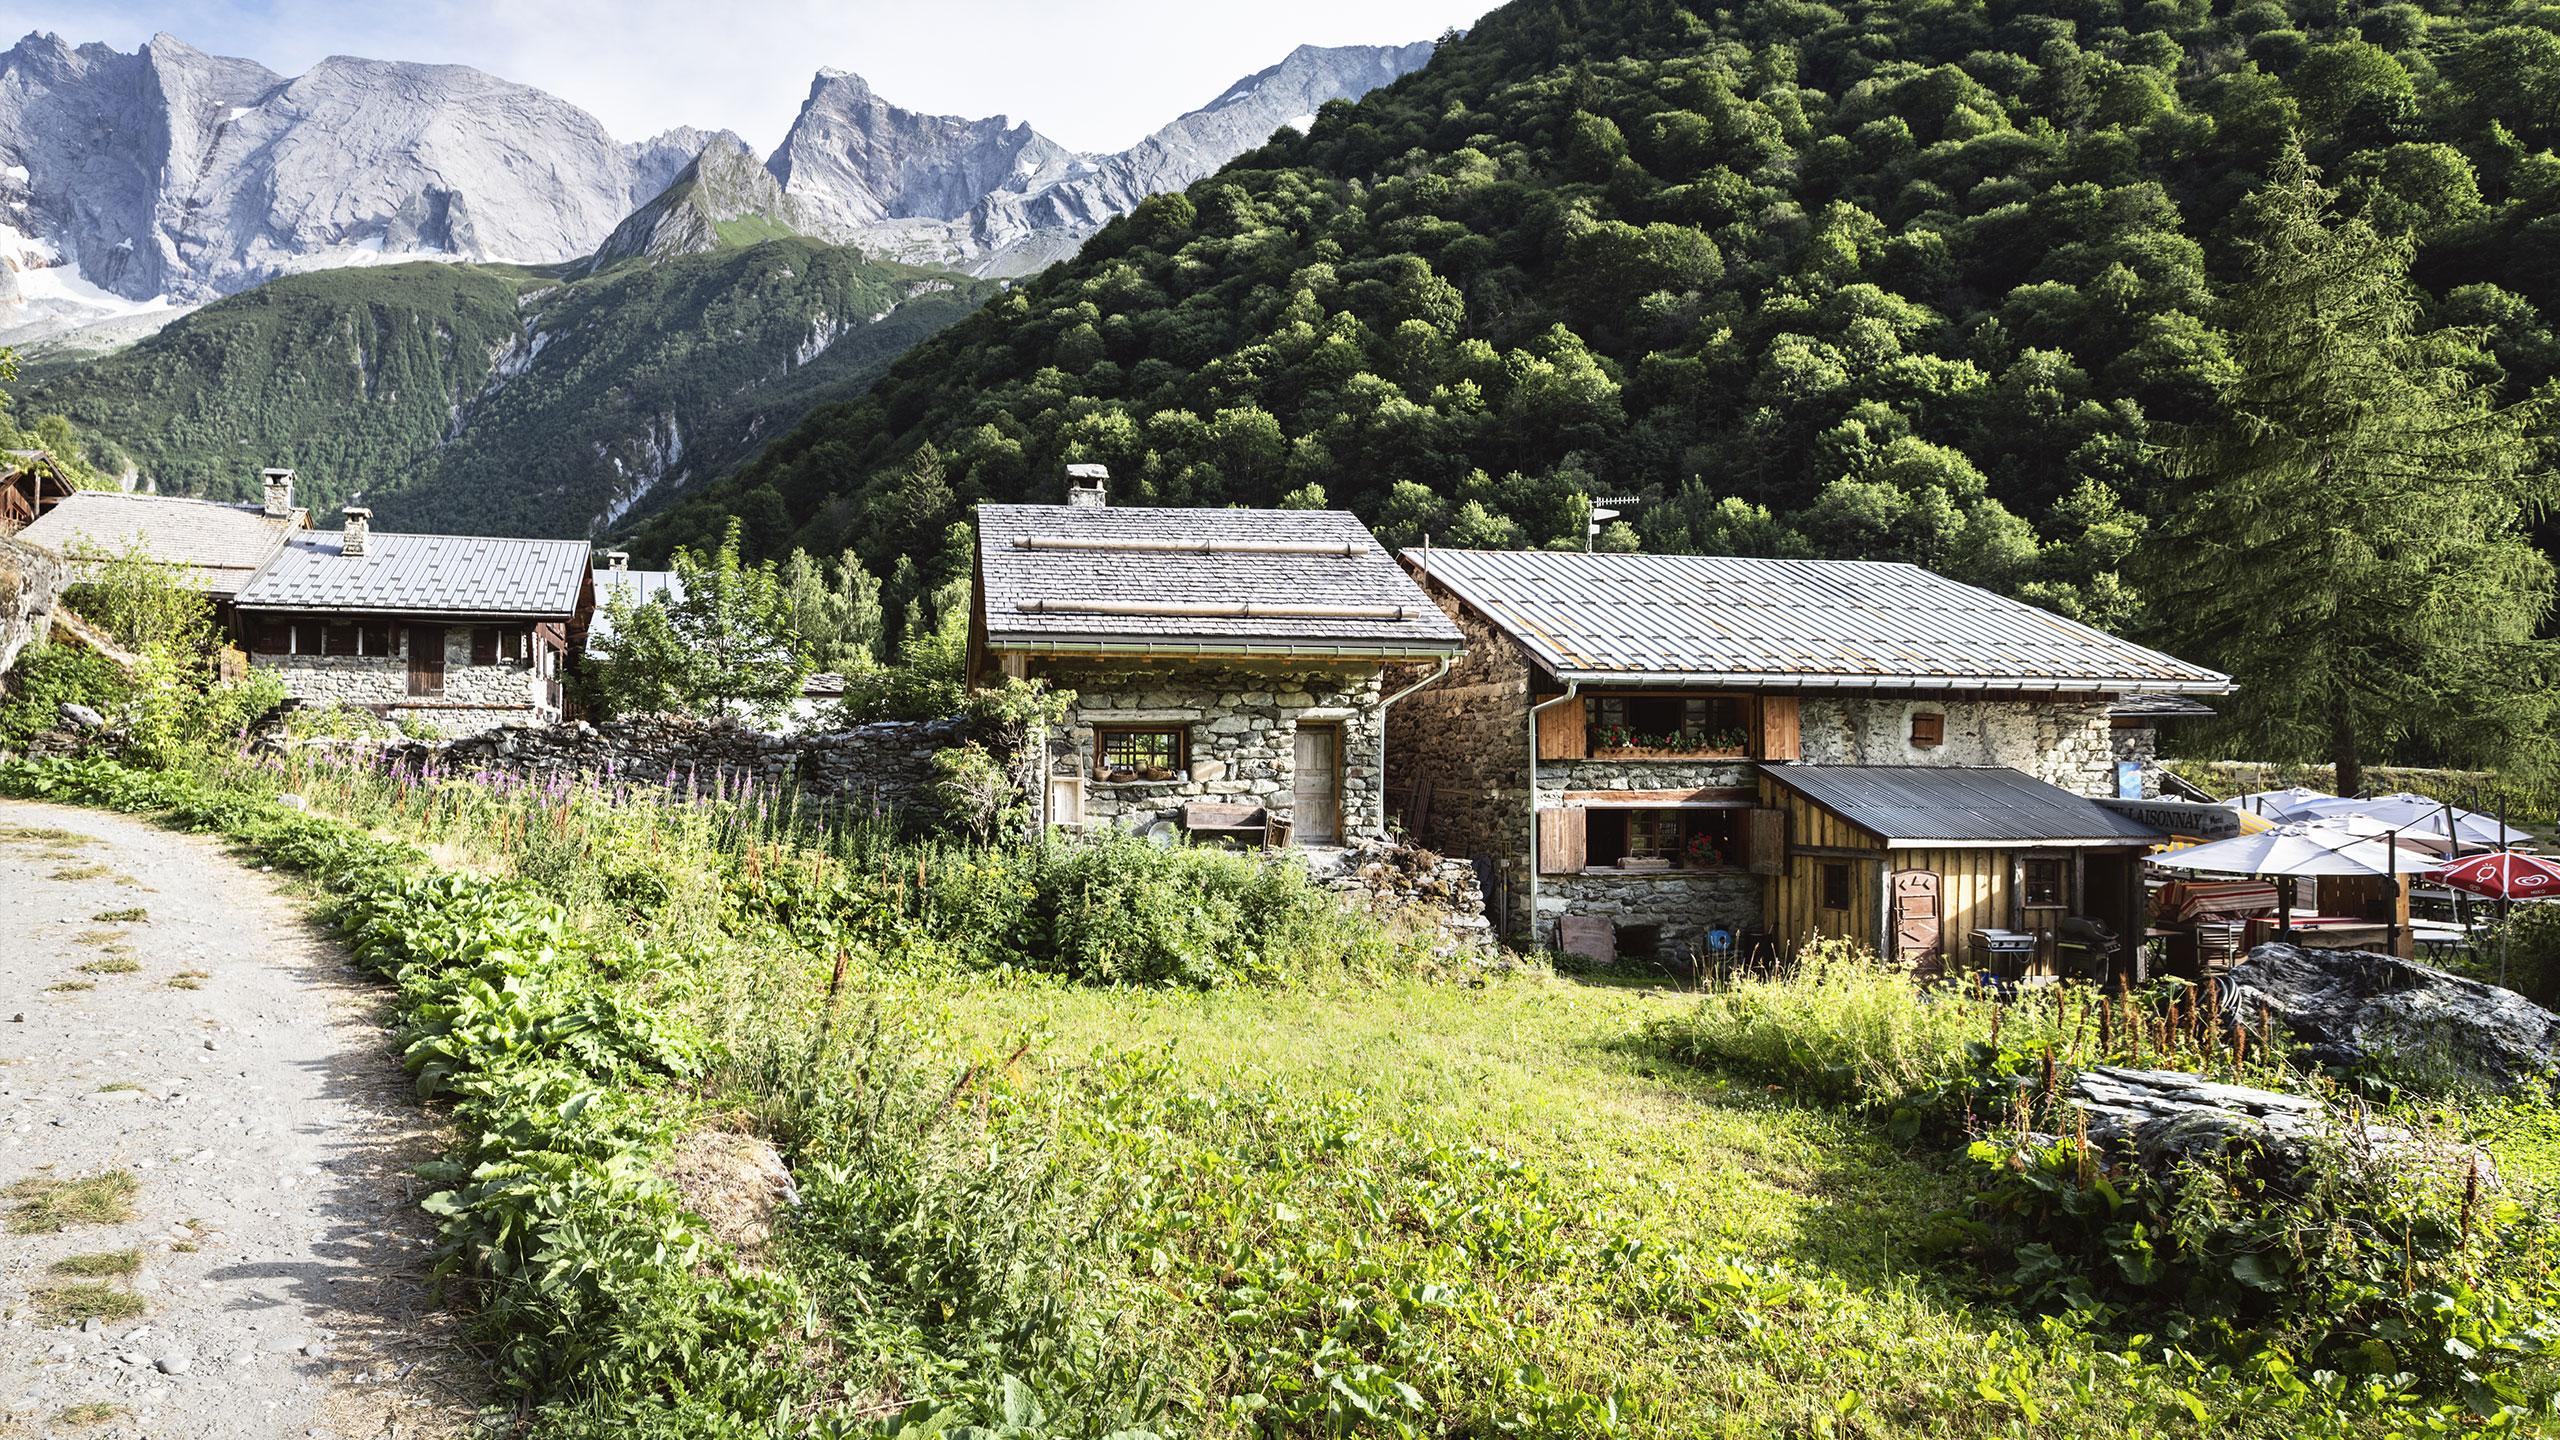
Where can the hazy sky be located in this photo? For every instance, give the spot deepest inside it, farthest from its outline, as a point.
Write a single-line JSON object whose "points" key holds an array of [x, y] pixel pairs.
{"points": [[1092, 74]]}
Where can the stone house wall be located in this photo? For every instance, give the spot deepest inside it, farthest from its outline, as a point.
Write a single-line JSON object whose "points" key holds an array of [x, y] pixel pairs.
{"points": [[2066, 743], [1682, 904], [29, 581], [1464, 738], [1241, 734], [475, 698]]}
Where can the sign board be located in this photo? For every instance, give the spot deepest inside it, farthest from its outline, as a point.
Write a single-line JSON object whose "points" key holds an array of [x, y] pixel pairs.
{"points": [[2188, 819]]}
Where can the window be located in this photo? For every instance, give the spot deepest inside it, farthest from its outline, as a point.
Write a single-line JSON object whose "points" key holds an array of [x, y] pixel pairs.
{"points": [[1928, 730], [341, 638], [1675, 837], [1135, 753], [1835, 884], [2044, 884], [275, 637], [1669, 722]]}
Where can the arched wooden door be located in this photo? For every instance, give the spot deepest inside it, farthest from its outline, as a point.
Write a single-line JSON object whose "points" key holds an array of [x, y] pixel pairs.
{"points": [[1919, 924]]}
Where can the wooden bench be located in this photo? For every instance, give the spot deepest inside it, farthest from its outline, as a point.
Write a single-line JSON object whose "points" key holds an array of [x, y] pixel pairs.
{"points": [[1228, 823]]}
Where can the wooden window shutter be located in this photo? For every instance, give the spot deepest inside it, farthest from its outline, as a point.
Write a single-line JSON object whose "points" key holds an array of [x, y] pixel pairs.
{"points": [[1781, 730], [1563, 841], [275, 637], [1766, 842], [484, 644], [1561, 732]]}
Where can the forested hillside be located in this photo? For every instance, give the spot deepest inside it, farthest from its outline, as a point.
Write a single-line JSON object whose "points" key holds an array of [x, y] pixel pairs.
{"points": [[472, 397], [1868, 278]]}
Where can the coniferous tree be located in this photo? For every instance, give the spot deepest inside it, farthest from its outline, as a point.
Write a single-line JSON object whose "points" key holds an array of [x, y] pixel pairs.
{"points": [[2348, 540]]}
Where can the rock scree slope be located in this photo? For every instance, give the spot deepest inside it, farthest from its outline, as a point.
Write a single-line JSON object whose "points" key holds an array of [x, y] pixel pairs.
{"points": [[168, 1016]]}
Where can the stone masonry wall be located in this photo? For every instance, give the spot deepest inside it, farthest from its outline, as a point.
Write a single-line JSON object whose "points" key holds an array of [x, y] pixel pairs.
{"points": [[29, 581], [476, 697], [2069, 744], [1241, 729], [1465, 737], [1684, 904], [1559, 775]]}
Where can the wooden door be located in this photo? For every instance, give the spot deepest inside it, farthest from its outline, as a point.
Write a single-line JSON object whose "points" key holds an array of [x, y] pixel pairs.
{"points": [[1318, 785], [426, 660], [1919, 923]]}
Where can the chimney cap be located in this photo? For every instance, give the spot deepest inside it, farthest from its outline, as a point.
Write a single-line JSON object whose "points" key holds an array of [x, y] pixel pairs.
{"points": [[1088, 472], [278, 472], [356, 512]]}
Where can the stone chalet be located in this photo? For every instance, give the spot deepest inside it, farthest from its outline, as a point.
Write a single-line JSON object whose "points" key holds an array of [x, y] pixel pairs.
{"points": [[1642, 750], [462, 632], [209, 546], [1227, 664]]}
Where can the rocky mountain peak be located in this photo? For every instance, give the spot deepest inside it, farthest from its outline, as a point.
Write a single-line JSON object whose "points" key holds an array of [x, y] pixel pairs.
{"points": [[723, 196]]}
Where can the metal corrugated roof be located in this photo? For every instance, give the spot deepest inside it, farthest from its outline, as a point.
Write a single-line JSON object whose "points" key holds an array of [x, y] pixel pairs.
{"points": [[1956, 802], [1805, 624], [1016, 579], [215, 546], [643, 587], [422, 574]]}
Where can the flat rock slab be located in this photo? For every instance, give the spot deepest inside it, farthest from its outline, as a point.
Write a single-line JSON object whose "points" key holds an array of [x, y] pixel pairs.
{"points": [[226, 1056], [2355, 1007], [2166, 1116]]}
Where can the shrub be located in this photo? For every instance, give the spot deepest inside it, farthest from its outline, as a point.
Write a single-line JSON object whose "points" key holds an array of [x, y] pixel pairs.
{"points": [[50, 676]]}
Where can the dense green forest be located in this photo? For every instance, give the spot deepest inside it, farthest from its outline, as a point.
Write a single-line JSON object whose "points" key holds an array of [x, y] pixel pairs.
{"points": [[472, 397], [1931, 281]]}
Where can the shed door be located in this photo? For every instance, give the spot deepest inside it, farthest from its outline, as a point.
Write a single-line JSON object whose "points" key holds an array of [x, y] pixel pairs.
{"points": [[1318, 785], [426, 660], [1918, 924]]}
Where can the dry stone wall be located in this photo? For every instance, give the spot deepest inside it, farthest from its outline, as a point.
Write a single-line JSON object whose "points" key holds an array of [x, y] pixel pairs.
{"points": [[1680, 905]]}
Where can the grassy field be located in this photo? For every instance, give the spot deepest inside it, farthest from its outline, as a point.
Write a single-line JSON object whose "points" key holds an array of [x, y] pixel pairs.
{"points": [[1318, 1187]]}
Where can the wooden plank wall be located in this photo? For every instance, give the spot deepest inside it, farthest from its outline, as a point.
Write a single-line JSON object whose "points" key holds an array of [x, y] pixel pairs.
{"points": [[1815, 836], [1973, 893]]}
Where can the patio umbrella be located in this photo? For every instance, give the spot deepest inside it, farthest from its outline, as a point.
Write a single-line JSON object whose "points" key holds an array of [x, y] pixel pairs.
{"points": [[2288, 852], [2422, 815], [2502, 875], [2285, 804]]}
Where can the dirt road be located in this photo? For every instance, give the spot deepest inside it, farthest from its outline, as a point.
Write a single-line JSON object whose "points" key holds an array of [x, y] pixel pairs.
{"points": [[209, 1226]]}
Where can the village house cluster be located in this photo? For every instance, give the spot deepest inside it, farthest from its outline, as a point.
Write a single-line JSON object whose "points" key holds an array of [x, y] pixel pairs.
{"points": [[1640, 755]]}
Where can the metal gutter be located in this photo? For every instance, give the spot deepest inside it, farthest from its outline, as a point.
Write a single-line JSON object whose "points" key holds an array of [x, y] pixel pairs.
{"points": [[1572, 690], [1380, 778], [1727, 679], [1073, 644]]}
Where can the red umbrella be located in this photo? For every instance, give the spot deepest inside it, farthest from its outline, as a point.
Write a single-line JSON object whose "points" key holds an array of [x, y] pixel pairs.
{"points": [[2502, 874]]}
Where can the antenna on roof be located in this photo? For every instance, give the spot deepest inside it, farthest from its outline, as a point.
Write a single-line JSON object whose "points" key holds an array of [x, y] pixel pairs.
{"points": [[1591, 530]]}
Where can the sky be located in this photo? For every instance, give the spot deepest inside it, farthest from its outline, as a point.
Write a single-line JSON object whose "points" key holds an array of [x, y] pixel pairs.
{"points": [[1090, 74]]}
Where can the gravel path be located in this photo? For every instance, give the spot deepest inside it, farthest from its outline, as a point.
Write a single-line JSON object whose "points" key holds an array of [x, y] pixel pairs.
{"points": [[168, 1014]]}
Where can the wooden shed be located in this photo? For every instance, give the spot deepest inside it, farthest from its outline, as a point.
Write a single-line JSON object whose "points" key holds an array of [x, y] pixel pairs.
{"points": [[1910, 860]]}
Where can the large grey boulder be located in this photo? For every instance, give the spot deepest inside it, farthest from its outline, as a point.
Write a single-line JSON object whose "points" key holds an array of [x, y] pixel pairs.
{"points": [[2353, 1007], [2167, 1116]]}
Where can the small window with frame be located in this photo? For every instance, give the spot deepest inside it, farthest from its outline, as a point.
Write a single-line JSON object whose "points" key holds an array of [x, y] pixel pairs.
{"points": [[1138, 752], [2044, 884], [1835, 885], [1928, 729]]}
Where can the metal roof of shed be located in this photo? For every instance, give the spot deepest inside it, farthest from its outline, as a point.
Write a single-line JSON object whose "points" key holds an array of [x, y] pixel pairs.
{"points": [[422, 574], [216, 547], [1958, 804], [1065, 577], [1790, 624]]}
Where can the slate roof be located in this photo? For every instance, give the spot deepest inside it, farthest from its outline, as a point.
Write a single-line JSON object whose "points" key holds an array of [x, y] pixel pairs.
{"points": [[423, 574], [2158, 707], [1789, 624], [215, 547], [1016, 578], [1956, 802]]}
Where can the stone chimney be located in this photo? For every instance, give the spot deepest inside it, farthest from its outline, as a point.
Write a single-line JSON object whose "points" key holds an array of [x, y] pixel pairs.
{"points": [[1088, 486], [617, 561], [359, 523], [279, 493]]}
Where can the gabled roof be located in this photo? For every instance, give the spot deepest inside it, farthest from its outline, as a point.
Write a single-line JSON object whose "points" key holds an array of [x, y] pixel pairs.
{"points": [[1957, 803], [423, 574], [213, 546], [1789, 624], [1175, 581]]}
